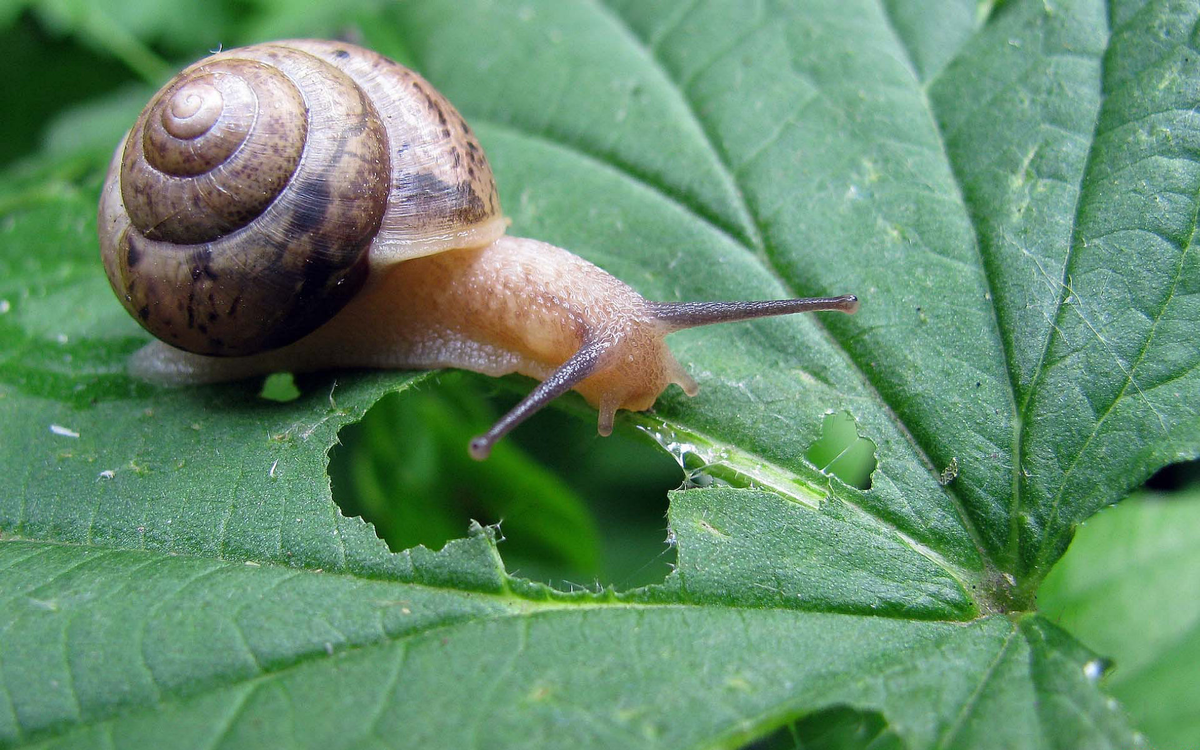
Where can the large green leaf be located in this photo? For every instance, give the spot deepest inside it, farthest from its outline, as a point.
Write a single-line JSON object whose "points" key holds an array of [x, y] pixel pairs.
{"points": [[1010, 190]]}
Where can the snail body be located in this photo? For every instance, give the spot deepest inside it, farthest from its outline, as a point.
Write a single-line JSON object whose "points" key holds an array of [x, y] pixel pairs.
{"points": [[306, 205]]}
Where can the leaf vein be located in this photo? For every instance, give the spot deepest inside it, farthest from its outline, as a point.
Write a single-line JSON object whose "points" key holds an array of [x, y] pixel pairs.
{"points": [[1129, 380], [994, 330], [947, 738], [225, 725], [377, 713], [683, 12], [650, 54]]}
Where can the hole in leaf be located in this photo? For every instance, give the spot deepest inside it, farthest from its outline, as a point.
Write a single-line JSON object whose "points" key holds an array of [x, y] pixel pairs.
{"points": [[842, 452], [1174, 477], [280, 387], [574, 509], [838, 728]]}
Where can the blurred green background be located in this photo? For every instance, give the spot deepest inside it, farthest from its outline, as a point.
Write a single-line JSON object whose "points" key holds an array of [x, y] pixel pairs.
{"points": [[575, 510]]}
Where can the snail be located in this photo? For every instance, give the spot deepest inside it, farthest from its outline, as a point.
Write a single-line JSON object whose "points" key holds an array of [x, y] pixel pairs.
{"points": [[306, 205]]}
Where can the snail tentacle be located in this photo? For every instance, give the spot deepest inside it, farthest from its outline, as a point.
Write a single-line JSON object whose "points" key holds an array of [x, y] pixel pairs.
{"points": [[576, 369]]}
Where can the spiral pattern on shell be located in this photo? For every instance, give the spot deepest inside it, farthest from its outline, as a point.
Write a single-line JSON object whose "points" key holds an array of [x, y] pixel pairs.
{"points": [[260, 186]]}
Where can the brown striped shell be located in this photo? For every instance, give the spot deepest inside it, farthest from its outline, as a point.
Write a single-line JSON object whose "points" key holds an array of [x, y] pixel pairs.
{"points": [[261, 185]]}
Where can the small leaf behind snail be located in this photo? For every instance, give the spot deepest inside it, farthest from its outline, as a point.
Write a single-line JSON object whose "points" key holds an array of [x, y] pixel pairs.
{"points": [[305, 205]]}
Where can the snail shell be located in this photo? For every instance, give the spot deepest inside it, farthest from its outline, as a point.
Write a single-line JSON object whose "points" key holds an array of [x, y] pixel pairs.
{"points": [[256, 191]]}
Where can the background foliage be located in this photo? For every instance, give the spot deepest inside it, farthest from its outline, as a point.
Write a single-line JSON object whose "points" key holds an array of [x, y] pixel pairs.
{"points": [[867, 506]]}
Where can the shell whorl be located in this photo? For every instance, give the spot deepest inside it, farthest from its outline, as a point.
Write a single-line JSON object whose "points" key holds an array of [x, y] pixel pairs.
{"points": [[213, 150], [259, 186]]}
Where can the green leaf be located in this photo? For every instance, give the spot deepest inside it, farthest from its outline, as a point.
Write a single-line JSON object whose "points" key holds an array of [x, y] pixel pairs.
{"points": [[206, 653], [1128, 588], [1011, 191]]}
